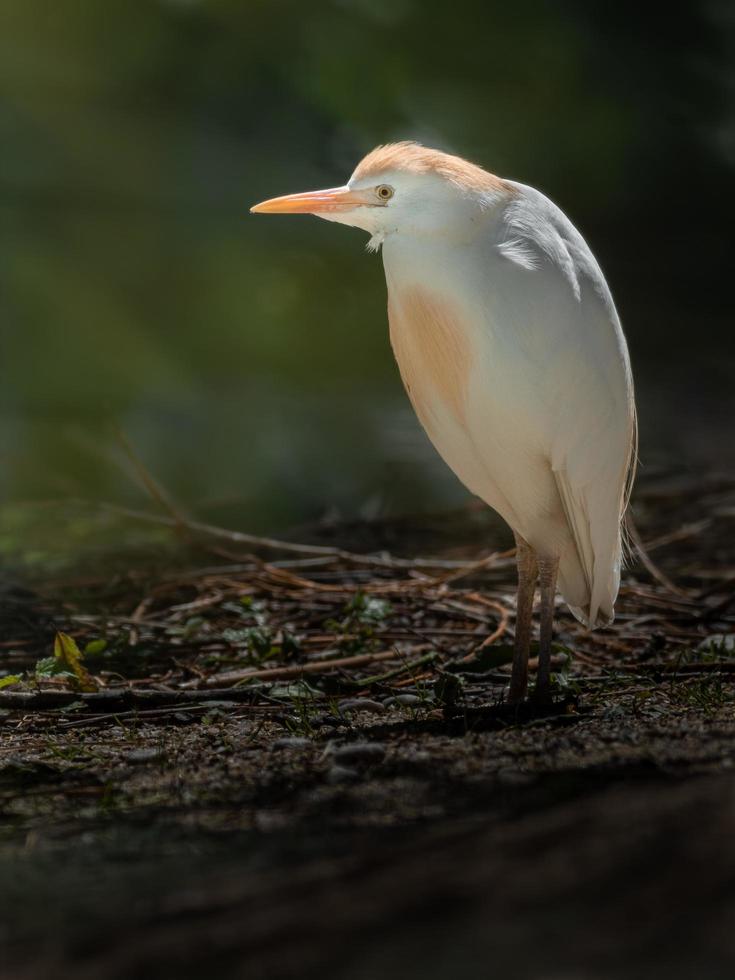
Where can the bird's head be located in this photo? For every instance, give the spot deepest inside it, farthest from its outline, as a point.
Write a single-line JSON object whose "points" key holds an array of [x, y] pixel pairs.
{"points": [[402, 188]]}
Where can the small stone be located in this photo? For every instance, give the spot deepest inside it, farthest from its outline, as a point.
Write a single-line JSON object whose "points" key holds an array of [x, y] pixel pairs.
{"points": [[291, 742], [359, 753], [360, 704], [341, 774], [404, 700], [145, 755]]}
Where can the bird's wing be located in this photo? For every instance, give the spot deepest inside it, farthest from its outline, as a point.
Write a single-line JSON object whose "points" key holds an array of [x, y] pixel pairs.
{"points": [[573, 376]]}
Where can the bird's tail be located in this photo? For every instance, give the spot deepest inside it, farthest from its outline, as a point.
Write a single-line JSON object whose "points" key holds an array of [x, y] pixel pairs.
{"points": [[589, 568], [577, 594]]}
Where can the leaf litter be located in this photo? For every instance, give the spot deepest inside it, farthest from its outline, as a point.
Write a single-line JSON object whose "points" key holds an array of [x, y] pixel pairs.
{"points": [[272, 689]]}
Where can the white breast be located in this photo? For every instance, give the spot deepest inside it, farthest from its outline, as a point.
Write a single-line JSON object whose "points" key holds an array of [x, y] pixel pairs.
{"points": [[438, 348]]}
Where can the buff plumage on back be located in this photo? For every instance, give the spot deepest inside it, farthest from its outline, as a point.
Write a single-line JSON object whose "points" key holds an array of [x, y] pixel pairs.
{"points": [[411, 157]]}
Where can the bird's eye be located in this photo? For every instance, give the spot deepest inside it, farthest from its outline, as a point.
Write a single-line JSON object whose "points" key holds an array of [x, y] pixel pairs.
{"points": [[384, 192]]}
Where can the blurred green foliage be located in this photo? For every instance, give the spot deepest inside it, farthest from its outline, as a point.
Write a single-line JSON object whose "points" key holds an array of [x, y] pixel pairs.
{"points": [[247, 358]]}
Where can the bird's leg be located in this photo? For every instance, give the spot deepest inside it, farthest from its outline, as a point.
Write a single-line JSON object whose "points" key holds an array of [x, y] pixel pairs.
{"points": [[527, 573], [547, 571]]}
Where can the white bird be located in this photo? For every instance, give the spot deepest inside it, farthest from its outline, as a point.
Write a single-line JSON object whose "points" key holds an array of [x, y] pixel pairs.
{"points": [[512, 354]]}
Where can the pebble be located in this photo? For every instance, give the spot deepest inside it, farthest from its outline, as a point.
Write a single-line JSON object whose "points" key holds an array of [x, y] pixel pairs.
{"points": [[145, 755], [361, 704], [359, 753], [291, 742], [404, 700]]}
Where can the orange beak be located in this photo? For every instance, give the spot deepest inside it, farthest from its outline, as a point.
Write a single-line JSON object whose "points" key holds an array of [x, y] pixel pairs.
{"points": [[313, 202]]}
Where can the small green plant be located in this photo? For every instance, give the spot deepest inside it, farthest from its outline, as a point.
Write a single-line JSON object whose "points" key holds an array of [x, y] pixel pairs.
{"points": [[248, 609], [708, 693], [261, 643], [66, 662], [368, 610], [719, 646], [562, 678], [361, 616], [306, 707]]}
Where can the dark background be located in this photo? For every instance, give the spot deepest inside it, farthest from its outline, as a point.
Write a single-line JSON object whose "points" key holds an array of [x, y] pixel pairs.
{"points": [[247, 358]]}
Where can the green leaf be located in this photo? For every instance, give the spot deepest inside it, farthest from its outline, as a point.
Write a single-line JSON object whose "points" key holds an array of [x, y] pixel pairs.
{"points": [[290, 644], [296, 691], [48, 667], [259, 640], [95, 647], [368, 609], [69, 657], [10, 679]]}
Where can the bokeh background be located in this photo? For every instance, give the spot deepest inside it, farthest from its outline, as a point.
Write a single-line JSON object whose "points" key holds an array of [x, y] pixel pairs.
{"points": [[247, 358]]}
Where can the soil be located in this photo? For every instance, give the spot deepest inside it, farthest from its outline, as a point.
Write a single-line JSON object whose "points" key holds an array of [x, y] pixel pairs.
{"points": [[299, 765]]}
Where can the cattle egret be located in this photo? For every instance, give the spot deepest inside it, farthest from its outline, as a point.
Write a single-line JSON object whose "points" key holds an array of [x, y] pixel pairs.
{"points": [[512, 354]]}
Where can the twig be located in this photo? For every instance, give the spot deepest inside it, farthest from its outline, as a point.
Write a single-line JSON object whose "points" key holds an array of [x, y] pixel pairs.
{"points": [[116, 700], [498, 632], [153, 714], [681, 534], [240, 537], [283, 673], [379, 678], [651, 567], [150, 483]]}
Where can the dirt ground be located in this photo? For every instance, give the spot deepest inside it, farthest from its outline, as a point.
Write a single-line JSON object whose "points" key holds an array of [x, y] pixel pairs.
{"points": [[299, 764]]}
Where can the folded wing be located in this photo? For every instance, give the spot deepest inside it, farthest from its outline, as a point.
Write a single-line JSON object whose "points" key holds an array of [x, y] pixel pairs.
{"points": [[557, 354]]}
